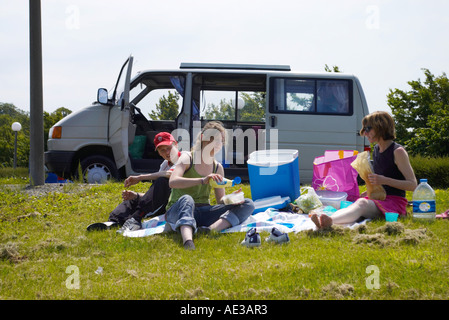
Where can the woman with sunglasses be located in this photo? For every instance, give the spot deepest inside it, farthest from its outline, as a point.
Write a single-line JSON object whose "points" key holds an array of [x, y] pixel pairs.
{"points": [[392, 170], [189, 208]]}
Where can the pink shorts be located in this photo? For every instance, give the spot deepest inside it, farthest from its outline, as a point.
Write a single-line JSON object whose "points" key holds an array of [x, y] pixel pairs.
{"points": [[392, 204]]}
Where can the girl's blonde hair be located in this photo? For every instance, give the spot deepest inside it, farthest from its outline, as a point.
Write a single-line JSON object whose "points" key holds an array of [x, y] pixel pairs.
{"points": [[207, 135]]}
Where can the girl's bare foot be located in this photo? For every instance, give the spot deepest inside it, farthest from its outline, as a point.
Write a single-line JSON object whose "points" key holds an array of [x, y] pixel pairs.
{"points": [[325, 221], [129, 195], [316, 220]]}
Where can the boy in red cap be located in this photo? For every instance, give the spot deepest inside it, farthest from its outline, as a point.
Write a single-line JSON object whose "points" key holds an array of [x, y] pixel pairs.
{"points": [[135, 206]]}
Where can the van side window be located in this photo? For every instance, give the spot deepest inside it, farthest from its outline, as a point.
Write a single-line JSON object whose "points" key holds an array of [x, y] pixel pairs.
{"points": [[311, 96], [332, 97], [217, 105], [232, 106], [157, 98], [300, 95]]}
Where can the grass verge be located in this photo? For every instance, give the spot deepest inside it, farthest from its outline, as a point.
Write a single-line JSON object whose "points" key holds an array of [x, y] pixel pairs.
{"points": [[46, 253]]}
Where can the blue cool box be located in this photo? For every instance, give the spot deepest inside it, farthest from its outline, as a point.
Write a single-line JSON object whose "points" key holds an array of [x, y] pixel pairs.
{"points": [[274, 173]]}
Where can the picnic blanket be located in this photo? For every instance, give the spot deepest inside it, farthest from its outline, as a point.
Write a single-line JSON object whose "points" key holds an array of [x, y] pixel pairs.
{"points": [[262, 221]]}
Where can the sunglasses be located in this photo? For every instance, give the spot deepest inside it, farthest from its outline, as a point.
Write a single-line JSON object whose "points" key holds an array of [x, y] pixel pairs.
{"points": [[367, 129]]}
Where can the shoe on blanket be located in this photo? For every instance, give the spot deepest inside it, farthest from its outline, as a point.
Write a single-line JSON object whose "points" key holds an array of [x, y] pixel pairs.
{"points": [[277, 236], [252, 239], [130, 225]]}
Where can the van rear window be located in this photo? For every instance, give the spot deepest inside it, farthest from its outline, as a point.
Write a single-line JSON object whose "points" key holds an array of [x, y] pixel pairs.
{"points": [[311, 96]]}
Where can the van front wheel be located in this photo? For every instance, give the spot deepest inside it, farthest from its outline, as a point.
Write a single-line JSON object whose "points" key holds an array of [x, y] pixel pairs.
{"points": [[98, 169]]}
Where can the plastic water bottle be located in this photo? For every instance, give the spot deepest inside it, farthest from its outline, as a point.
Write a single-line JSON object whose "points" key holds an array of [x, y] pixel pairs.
{"points": [[424, 206], [225, 182]]}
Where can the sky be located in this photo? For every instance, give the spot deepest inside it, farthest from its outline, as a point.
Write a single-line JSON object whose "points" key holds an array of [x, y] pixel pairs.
{"points": [[385, 43]]}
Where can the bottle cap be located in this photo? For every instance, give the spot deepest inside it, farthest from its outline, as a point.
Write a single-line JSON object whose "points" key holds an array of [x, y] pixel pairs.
{"points": [[423, 180], [236, 180]]}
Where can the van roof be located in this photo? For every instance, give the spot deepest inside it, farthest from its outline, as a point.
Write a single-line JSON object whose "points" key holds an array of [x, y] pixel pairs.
{"points": [[228, 66], [256, 69]]}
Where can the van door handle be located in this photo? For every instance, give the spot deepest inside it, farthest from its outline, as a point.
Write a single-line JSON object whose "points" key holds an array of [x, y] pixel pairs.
{"points": [[273, 121]]}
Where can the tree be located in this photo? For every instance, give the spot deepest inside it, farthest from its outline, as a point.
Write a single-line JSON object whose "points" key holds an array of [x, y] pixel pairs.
{"points": [[254, 109], [51, 118], [422, 115], [167, 108], [334, 68], [224, 111], [9, 114]]}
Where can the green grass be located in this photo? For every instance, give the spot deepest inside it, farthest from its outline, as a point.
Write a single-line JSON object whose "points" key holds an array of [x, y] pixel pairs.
{"points": [[43, 237]]}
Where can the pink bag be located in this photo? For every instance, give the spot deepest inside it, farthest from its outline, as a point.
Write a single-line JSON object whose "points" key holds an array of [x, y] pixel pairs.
{"points": [[334, 172]]}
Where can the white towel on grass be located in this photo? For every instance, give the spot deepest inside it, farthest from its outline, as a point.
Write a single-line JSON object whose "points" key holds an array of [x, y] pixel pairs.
{"points": [[262, 221]]}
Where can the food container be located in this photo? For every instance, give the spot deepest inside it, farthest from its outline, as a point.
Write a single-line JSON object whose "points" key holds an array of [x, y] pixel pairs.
{"points": [[234, 198], [331, 198]]}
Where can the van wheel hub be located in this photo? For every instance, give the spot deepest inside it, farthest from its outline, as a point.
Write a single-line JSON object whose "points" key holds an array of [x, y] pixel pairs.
{"points": [[97, 173]]}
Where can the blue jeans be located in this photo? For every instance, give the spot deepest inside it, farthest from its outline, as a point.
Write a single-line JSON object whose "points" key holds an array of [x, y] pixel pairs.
{"points": [[184, 212]]}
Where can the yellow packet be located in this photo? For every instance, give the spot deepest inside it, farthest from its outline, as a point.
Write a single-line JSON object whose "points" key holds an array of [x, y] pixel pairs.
{"points": [[364, 168]]}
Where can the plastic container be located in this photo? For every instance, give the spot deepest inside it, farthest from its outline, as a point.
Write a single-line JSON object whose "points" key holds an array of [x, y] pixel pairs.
{"points": [[424, 206], [332, 198], [391, 216], [234, 198], [274, 173], [225, 182]]}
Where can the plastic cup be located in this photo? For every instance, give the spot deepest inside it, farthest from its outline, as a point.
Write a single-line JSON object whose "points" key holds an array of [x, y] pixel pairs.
{"points": [[391, 216]]}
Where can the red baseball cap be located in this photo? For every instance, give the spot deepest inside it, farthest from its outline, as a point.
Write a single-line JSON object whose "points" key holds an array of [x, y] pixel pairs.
{"points": [[163, 139]]}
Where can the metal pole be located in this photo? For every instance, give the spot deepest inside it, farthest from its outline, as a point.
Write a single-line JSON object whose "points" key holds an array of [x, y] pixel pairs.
{"points": [[36, 97], [15, 149]]}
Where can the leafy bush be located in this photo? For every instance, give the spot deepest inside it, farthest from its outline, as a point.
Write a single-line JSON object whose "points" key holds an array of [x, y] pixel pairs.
{"points": [[435, 170], [9, 172]]}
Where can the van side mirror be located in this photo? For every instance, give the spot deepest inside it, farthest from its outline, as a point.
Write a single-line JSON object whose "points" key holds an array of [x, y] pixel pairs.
{"points": [[102, 96]]}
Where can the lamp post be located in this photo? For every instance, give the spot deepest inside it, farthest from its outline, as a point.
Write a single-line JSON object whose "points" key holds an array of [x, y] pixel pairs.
{"points": [[37, 173], [16, 127]]}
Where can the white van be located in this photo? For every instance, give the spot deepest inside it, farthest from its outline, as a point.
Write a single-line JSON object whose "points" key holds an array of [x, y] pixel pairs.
{"points": [[261, 106]]}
